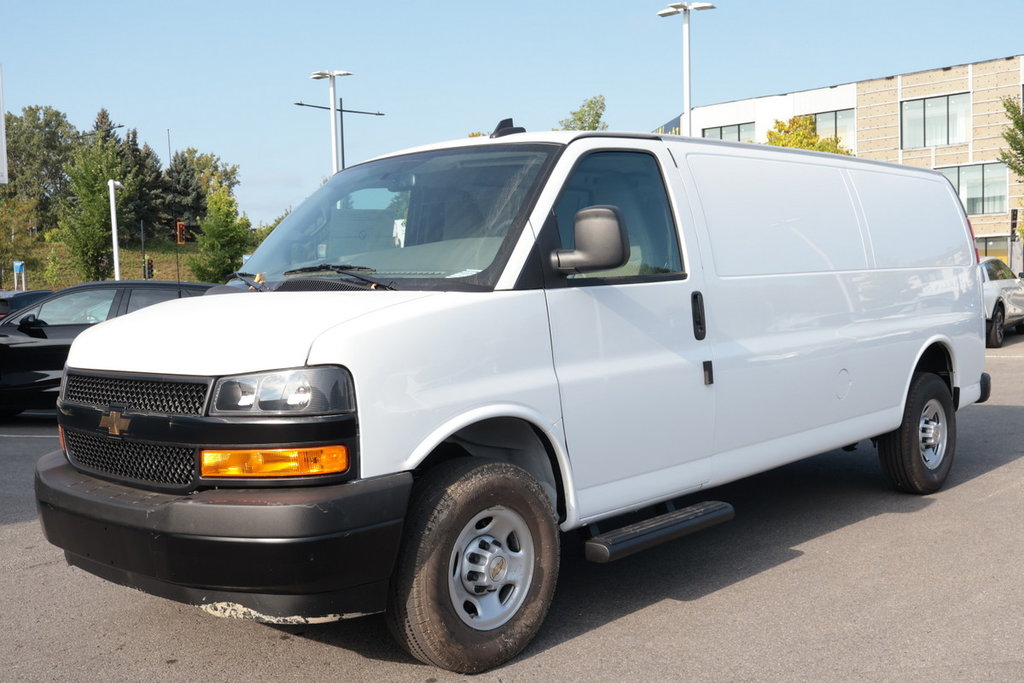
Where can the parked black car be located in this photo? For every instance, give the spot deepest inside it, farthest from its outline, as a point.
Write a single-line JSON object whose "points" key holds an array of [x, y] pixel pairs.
{"points": [[34, 342], [16, 300]]}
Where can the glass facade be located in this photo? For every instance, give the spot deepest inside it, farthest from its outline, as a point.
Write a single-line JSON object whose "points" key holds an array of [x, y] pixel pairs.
{"points": [[740, 132], [982, 187], [935, 121]]}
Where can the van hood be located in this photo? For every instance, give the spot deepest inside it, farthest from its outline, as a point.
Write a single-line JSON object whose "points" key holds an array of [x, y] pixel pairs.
{"points": [[225, 334]]}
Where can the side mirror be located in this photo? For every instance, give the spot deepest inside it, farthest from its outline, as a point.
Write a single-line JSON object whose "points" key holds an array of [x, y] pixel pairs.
{"points": [[30, 322], [601, 242]]}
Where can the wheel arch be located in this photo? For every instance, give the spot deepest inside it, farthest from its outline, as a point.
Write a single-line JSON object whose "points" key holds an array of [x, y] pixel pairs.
{"points": [[509, 435], [937, 357]]}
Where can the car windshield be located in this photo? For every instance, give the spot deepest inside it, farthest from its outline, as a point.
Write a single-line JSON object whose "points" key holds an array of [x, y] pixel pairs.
{"points": [[443, 219]]}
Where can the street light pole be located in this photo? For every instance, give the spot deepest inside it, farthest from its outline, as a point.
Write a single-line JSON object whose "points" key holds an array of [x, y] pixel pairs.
{"points": [[341, 121], [685, 8], [331, 75], [111, 186]]}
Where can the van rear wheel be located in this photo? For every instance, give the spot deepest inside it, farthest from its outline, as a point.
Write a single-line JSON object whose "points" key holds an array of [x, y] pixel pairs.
{"points": [[478, 566], [917, 456]]}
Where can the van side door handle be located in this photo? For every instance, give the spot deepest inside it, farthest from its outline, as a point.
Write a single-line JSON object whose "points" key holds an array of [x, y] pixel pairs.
{"points": [[700, 328]]}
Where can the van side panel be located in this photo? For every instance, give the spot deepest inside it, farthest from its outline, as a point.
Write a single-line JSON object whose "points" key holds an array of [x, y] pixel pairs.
{"points": [[815, 339], [912, 220]]}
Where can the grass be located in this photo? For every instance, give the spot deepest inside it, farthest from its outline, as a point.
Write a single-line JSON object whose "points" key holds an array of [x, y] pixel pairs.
{"points": [[50, 265]]}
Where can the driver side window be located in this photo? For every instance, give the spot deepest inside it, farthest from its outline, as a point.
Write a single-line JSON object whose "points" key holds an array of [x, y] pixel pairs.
{"points": [[632, 182], [77, 308]]}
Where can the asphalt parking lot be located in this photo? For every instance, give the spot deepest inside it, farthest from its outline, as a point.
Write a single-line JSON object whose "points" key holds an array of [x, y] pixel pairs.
{"points": [[823, 575]]}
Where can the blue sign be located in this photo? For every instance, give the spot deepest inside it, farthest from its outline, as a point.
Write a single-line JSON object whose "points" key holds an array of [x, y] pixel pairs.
{"points": [[19, 267]]}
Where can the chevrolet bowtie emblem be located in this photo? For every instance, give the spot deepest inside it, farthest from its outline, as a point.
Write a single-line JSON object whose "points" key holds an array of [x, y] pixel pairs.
{"points": [[114, 423]]}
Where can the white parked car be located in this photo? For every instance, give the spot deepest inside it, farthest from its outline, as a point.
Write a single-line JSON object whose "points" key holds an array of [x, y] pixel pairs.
{"points": [[1004, 300], [447, 356]]}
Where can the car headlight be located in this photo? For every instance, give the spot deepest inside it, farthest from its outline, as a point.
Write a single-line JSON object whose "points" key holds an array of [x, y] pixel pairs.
{"points": [[324, 390]]}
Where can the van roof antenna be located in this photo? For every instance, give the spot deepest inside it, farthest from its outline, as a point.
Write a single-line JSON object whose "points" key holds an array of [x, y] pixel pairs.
{"points": [[506, 127]]}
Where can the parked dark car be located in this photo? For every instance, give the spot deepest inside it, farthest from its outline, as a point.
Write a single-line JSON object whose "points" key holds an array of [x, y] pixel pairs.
{"points": [[34, 341], [14, 301]]}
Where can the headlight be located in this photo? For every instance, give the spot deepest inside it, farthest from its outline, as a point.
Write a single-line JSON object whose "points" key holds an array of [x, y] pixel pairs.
{"points": [[322, 390]]}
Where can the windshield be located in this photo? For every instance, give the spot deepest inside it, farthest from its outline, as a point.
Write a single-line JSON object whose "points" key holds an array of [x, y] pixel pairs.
{"points": [[434, 220]]}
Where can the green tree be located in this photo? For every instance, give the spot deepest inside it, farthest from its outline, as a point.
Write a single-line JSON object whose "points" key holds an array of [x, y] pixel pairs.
{"points": [[1013, 154], [149, 204], [186, 200], [800, 132], [17, 216], [85, 216], [587, 117], [223, 238], [211, 172], [39, 147], [263, 229]]}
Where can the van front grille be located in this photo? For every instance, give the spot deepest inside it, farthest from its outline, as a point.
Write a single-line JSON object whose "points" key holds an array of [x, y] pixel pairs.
{"points": [[146, 463], [172, 397]]}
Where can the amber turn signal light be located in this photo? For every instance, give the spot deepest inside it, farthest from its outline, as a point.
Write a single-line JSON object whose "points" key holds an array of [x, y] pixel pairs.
{"points": [[274, 462]]}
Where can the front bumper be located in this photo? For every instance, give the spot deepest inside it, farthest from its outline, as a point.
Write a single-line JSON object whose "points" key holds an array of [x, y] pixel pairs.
{"points": [[282, 555]]}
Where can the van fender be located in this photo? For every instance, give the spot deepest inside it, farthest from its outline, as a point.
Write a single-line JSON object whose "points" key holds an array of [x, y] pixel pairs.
{"points": [[928, 360], [550, 432]]}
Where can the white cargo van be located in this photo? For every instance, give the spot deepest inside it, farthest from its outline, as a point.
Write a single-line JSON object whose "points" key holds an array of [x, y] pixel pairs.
{"points": [[447, 356]]}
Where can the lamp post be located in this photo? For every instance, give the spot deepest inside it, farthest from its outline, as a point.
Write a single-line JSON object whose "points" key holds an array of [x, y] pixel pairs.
{"points": [[331, 75], [114, 185], [685, 8], [341, 120]]}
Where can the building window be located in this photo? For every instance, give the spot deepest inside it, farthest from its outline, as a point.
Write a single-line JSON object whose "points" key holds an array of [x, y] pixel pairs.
{"points": [[836, 124], [742, 132], [993, 246], [982, 187], [936, 121]]}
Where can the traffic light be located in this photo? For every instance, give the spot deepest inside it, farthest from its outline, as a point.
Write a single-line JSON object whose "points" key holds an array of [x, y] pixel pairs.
{"points": [[180, 236], [149, 270]]}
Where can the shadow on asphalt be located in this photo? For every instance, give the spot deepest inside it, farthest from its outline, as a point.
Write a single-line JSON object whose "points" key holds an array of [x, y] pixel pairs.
{"points": [[24, 438], [776, 512]]}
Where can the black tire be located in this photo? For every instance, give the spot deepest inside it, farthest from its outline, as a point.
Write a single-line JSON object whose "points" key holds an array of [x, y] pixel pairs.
{"points": [[996, 328], [434, 610], [917, 456]]}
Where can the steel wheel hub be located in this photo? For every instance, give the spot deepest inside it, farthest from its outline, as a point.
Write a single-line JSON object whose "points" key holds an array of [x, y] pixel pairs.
{"points": [[933, 434], [491, 568]]}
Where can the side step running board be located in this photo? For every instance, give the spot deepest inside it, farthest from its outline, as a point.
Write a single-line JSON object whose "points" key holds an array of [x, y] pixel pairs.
{"points": [[633, 538]]}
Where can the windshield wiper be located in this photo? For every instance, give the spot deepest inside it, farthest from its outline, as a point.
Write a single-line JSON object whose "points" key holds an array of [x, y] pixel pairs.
{"points": [[247, 278], [354, 272]]}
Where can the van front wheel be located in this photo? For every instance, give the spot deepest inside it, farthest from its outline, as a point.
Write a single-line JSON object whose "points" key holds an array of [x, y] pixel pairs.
{"points": [[478, 566], [917, 456]]}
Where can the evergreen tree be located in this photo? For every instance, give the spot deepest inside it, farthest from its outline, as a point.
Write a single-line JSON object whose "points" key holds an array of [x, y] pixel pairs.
{"points": [[149, 205], [186, 200], [223, 239]]}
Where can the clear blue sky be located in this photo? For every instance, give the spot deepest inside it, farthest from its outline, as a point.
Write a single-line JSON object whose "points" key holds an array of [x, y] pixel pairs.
{"points": [[222, 75]]}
